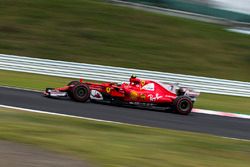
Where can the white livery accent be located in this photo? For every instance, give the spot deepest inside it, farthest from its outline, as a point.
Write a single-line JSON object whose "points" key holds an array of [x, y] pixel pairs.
{"points": [[58, 94], [150, 87], [96, 95], [154, 98]]}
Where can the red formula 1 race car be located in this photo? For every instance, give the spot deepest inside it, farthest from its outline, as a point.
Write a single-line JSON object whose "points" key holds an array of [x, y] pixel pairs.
{"points": [[146, 93]]}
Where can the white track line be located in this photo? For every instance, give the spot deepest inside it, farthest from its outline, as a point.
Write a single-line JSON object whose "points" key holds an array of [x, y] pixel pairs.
{"points": [[92, 119], [220, 113], [65, 115], [17, 88]]}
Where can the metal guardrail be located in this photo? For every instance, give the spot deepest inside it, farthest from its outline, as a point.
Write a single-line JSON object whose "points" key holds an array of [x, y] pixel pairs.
{"points": [[118, 74]]}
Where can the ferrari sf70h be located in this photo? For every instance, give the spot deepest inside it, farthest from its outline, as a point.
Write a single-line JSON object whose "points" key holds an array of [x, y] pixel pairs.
{"points": [[138, 92]]}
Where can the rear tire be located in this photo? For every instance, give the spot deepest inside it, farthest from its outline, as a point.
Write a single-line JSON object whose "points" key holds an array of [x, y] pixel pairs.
{"points": [[80, 92], [183, 105]]}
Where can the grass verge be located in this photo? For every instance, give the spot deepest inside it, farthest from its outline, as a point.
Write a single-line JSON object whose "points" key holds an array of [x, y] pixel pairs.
{"points": [[94, 31], [112, 145], [40, 82]]}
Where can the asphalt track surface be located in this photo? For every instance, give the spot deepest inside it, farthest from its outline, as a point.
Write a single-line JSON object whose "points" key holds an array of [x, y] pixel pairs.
{"points": [[195, 122]]}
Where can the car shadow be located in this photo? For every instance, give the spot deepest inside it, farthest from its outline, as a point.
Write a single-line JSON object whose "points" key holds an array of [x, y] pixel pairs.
{"points": [[145, 108]]}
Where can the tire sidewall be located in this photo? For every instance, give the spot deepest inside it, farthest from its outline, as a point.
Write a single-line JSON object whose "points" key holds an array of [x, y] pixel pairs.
{"points": [[74, 83], [181, 101], [75, 92]]}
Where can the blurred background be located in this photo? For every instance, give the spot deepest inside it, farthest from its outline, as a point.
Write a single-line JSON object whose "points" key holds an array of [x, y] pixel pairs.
{"points": [[234, 10], [104, 33], [240, 6]]}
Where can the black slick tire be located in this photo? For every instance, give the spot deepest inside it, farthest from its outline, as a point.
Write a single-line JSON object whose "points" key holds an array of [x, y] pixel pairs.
{"points": [[80, 92], [72, 83], [183, 105]]}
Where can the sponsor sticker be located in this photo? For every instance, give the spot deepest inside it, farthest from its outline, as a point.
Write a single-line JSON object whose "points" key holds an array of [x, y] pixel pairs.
{"points": [[143, 97], [108, 89], [142, 82], [133, 95], [154, 98], [150, 87], [96, 95]]}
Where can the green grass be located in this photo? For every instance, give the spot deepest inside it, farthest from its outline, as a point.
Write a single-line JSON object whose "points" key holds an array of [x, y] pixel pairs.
{"points": [[31, 81], [232, 104], [95, 31], [204, 101], [112, 145]]}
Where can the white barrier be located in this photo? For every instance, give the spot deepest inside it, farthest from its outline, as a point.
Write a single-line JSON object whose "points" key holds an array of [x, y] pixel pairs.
{"points": [[118, 74]]}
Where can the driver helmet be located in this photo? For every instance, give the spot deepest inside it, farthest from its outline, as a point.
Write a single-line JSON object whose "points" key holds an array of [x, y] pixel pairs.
{"points": [[133, 76]]}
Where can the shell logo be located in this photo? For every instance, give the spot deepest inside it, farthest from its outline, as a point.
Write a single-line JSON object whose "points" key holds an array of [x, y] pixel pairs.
{"points": [[133, 95], [143, 97]]}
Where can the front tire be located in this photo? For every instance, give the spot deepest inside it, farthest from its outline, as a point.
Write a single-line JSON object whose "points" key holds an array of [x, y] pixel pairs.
{"points": [[80, 93], [72, 83], [183, 105]]}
